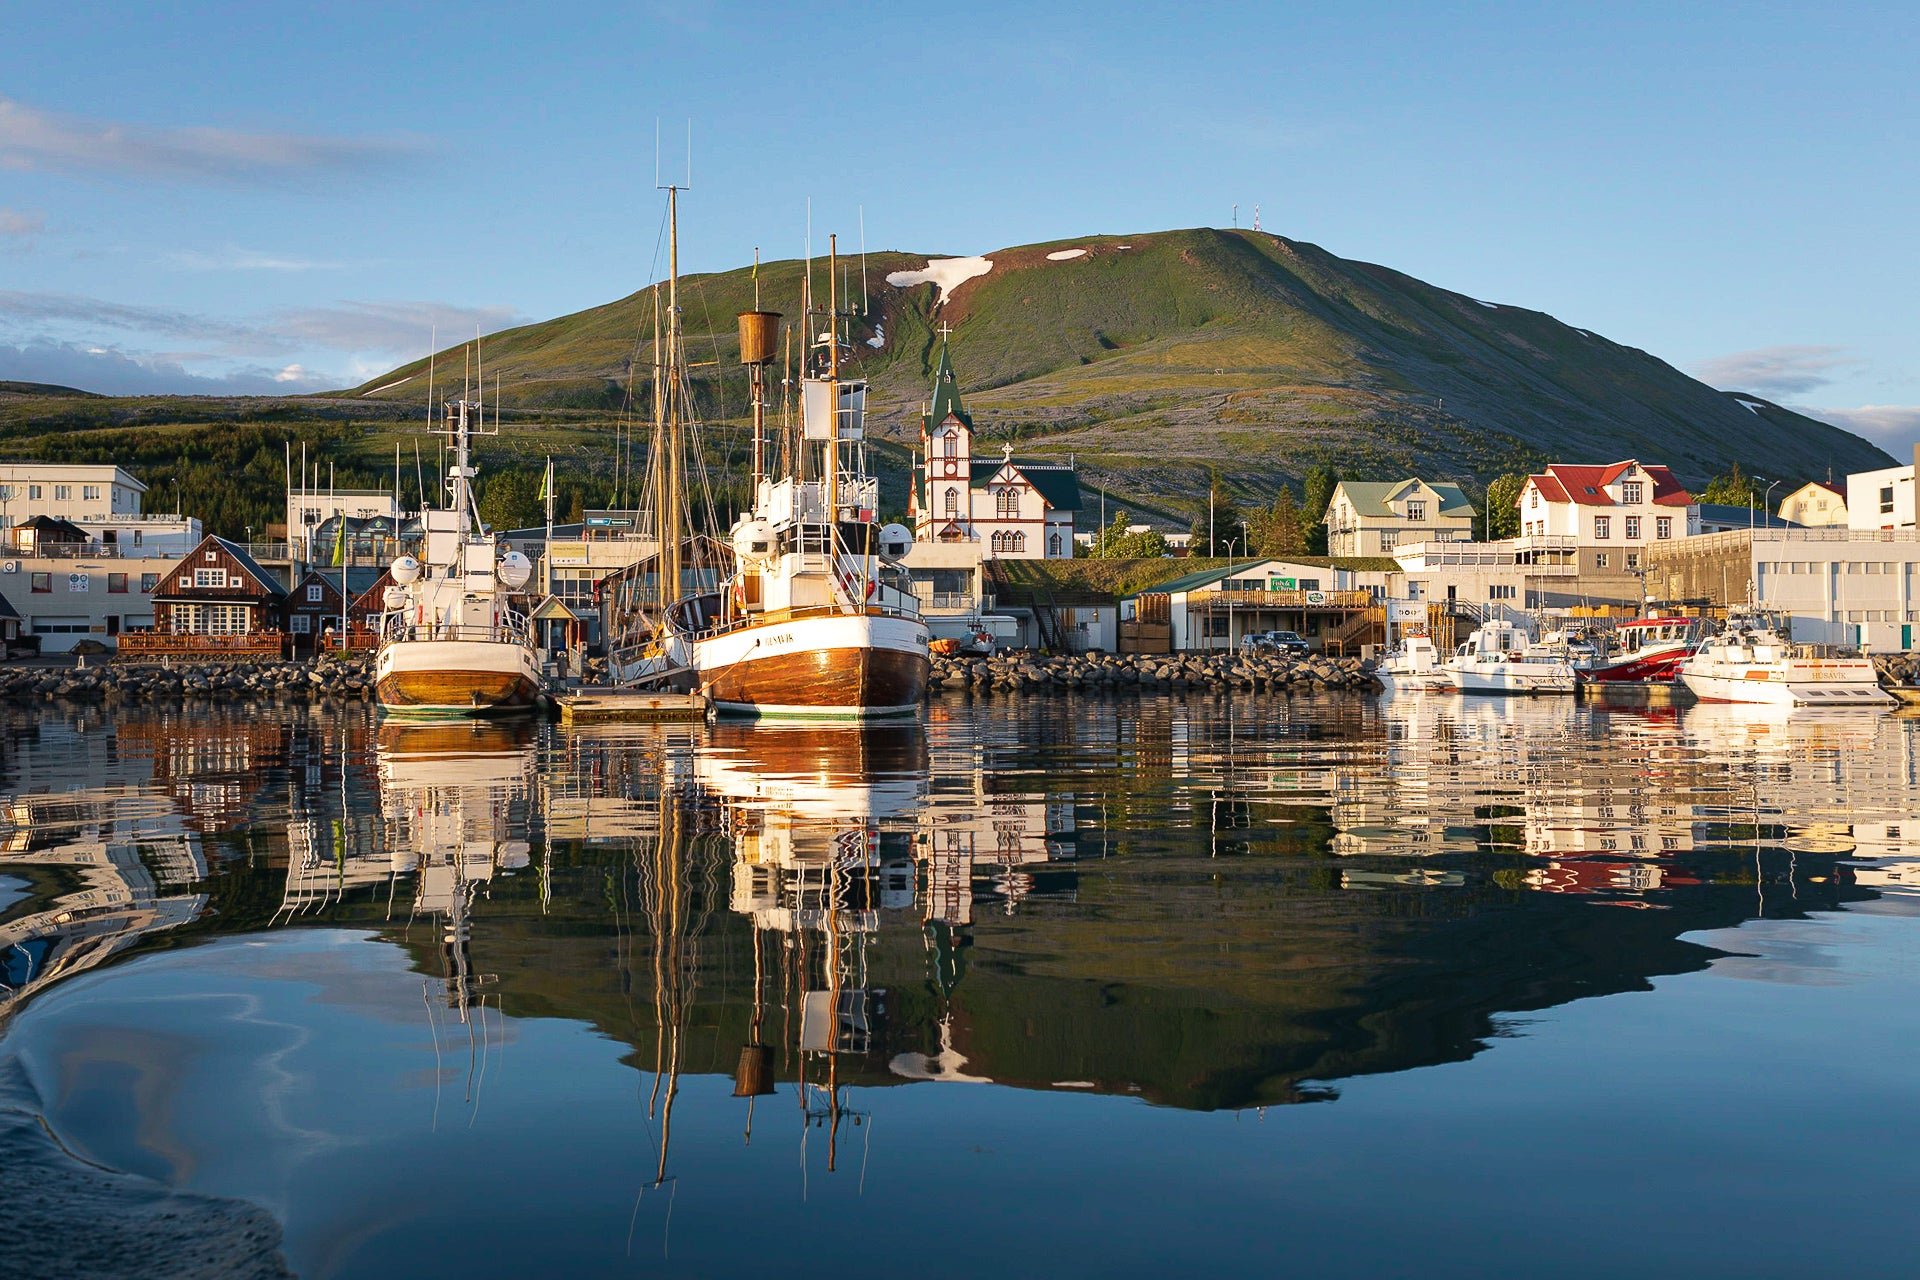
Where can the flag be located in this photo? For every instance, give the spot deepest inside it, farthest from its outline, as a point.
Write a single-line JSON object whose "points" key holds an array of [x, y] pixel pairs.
{"points": [[340, 546], [546, 483]]}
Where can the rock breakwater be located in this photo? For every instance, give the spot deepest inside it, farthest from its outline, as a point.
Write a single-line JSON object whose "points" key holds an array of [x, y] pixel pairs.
{"points": [[1022, 671], [341, 680]]}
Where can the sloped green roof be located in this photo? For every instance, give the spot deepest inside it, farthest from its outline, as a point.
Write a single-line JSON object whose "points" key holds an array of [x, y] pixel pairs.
{"points": [[1059, 485], [946, 395], [1370, 497]]}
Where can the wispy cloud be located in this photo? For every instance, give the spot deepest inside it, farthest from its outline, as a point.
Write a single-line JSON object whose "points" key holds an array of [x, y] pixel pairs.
{"points": [[20, 310], [397, 328], [41, 140], [116, 372], [245, 260], [1775, 371], [1894, 427], [21, 223]]}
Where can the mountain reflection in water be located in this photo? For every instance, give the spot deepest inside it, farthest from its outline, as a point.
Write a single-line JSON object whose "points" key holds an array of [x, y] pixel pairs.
{"points": [[1205, 904]]}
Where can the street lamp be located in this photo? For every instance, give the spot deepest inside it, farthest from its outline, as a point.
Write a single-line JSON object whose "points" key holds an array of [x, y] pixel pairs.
{"points": [[1767, 501]]}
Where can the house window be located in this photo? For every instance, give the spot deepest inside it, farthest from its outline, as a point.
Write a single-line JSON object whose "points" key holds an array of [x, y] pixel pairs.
{"points": [[64, 493], [1533, 499], [33, 491], [116, 584], [90, 492], [953, 503], [1603, 526], [209, 619], [1633, 559], [139, 537], [1633, 527], [209, 577], [950, 446], [1500, 591], [314, 593], [1006, 503], [212, 556], [299, 624], [1663, 526], [42, 584], [1630, 493], [148, 581], [1886, 500], [1387, 537], [1416, 511], [1600, 560]]}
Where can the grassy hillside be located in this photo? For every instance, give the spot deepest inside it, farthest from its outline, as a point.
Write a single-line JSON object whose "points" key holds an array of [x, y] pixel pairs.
{"points": [[1149, 360]]}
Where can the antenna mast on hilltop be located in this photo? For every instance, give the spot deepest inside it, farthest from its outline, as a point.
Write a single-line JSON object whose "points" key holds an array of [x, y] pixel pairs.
{"points": [[1256, 217]]}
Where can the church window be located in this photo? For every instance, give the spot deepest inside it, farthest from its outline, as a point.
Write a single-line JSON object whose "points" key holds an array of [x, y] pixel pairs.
{"points": [[953, 503], [1016, 542], [1053, 546], [1006, 504], [950, 445]]}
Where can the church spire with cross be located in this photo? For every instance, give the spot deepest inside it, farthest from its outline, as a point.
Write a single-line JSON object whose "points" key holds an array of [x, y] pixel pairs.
{"points": [[946, 391]]}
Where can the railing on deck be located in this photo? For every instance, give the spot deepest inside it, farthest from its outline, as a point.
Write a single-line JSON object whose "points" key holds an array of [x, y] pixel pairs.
{"points": [[160, 646], [1283, 599]]}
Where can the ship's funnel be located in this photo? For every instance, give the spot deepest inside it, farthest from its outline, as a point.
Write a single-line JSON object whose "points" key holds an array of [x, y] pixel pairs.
{"points": [[759, 335]]}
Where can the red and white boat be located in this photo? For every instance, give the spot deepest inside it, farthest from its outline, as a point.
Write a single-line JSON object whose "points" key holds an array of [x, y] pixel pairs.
{"points": [[1646, 651]]}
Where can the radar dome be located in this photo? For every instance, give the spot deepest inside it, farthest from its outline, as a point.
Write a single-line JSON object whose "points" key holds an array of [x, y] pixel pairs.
{"points": [[514, 570], [753, 540], [895, 541], [406, 570]]}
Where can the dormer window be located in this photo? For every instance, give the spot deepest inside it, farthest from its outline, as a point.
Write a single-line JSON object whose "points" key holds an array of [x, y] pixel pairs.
{"points": [[1630, 493], [1416, 510]]}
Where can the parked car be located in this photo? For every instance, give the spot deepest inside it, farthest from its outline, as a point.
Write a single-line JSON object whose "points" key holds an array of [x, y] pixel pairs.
{"points": [[1281, 641]]}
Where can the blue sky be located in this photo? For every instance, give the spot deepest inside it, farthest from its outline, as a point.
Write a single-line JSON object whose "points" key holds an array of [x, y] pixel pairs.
{"points": [[214, 197]]}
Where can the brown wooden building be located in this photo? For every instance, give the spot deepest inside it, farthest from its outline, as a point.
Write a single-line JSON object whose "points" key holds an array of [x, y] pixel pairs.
{"points": [[218, 590], [313, 606]]}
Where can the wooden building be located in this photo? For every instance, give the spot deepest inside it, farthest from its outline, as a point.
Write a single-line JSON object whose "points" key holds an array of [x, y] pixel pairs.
{"points": [[216, 602], [313, 608]]}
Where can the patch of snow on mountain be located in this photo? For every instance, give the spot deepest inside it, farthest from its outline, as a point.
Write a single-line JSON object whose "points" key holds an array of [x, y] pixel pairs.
{"points": [[1753, 406], [948, 273], [1491, 306], [1066, 255], [879, 338]]}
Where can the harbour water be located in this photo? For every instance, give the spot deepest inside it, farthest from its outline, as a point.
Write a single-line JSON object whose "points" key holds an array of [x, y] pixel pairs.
{"points": [[1323, 985]]}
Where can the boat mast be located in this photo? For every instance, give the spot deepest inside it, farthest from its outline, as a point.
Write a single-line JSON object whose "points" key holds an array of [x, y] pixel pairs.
{"points": [[833, 383], [668, 502]]}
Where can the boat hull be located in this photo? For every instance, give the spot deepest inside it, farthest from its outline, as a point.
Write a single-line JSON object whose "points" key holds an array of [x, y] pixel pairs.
{"points": [[1781, 689], [1515, 679], [456, 677], [831, 665], [1652, 669]]}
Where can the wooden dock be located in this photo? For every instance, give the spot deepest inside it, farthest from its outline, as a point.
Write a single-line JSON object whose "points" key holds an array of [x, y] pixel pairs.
{"points": [[611, 706]]}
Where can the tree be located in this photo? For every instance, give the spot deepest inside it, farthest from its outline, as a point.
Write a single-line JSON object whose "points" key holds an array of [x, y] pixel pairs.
{"points": [[1735, 489], [1280, 530], [1317, 491], [511, 501], [1216, 524], [1117, 542], [1503, 506]]}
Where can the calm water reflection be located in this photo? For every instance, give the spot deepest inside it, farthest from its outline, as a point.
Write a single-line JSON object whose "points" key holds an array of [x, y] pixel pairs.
{"points": [[503, 998]]}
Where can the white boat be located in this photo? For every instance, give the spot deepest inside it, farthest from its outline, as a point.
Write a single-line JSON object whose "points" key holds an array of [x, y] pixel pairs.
{"points": [[451, 640], [1415, 663], [1500, 658], [1754, 661], [817, 618]]}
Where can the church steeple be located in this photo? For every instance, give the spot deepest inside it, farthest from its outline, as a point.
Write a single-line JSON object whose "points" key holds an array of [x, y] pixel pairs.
{"points": [[946, 391]]}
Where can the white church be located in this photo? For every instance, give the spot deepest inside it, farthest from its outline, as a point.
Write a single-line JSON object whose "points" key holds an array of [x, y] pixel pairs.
{"points": [[1014, 509]]}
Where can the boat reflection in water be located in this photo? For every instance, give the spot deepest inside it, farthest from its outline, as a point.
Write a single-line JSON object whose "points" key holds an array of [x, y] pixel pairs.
{"points": [[1203, 904]]}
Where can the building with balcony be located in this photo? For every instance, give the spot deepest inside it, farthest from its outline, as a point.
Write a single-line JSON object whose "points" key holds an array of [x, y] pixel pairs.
{"points": [[1612, 513], [217, 601], [1321, 598], [1372, 518], [1540, 571], [67, 491]]}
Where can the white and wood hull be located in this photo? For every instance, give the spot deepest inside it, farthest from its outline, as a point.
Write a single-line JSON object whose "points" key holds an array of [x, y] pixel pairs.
{"points": [[1844, 682], [828, 664], [456, 677], [1513, 678]]}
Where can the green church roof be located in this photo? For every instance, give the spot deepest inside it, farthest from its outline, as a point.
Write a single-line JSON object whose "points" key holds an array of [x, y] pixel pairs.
{"points": [[946, 394]]}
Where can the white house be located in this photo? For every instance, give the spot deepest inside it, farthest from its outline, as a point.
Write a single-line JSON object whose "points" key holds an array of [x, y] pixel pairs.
{"points": [[1819, 504], [1371, 518], [1880, 499], [66, 491], [1612, 513], [1013, 508]]}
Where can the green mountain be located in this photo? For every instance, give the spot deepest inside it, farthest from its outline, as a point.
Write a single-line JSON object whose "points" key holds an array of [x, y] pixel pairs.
{"points": [[1150, 358]]}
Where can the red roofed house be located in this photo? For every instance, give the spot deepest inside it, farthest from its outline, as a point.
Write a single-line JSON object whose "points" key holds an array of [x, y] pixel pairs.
{"points": [[1613, 513]]}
